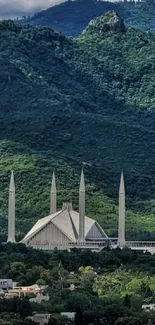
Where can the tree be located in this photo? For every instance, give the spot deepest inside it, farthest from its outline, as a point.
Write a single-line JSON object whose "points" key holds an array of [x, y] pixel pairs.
{"points": [[18, 268], [128, 321], [78, 316], [127, 302], [136, 302], [24, 308], [40, 282], [87, 281]]}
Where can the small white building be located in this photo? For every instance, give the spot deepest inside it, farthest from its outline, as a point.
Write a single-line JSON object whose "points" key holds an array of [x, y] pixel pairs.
{"points": [[69, 315], [148, 307], [40, 319], [6, 284]]}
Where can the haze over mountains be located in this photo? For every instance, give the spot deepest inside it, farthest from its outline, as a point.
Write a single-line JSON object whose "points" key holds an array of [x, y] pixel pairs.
{"points": [[67, 101], [72, 17], [14, 8]]}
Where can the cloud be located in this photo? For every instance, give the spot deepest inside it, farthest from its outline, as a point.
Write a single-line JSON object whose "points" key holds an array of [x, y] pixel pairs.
{"points": [[14, 8]]}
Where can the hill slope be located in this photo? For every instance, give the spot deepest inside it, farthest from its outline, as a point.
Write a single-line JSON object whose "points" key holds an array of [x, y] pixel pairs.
{"points": [[62, 104], [72, 17]]}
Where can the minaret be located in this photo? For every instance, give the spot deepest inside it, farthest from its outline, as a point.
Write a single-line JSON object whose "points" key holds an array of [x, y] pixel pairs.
{"points": [[11, 221], [82, 209], [53, 198], [121, 222]]}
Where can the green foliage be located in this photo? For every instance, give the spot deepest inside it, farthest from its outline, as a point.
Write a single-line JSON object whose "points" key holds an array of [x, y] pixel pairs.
{"points": [[120, 63], [22, 306], [126, 284], [107, 291], [68, 102], [13, 319], [127, 302]]}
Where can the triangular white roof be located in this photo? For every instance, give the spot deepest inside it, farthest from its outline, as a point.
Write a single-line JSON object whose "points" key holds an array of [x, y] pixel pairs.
{"points": [[63, 222], [88, 222], [39, 225], [67, 221]]}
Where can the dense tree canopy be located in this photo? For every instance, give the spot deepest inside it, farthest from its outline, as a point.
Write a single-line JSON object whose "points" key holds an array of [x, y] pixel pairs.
{"points": [[68, 102], [108, 286]]}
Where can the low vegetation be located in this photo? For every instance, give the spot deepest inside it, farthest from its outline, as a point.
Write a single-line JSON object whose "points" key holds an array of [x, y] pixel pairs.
{"points": [[110, 285]]}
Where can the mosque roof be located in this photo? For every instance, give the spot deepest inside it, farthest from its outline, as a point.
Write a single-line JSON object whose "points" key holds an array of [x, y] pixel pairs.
{"points": [[67, 221]]}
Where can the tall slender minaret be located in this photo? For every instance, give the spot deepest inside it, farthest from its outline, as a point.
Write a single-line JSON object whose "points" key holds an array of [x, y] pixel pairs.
{"points": [[82, 209], [11, 221], [121, 222], [53, 198]]}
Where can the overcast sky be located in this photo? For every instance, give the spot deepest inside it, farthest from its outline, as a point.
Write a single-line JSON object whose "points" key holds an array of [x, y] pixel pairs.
{"points": [[14, 8]]}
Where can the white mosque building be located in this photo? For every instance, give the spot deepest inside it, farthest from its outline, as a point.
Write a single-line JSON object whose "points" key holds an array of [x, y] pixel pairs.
{"points": [[66, 228]]}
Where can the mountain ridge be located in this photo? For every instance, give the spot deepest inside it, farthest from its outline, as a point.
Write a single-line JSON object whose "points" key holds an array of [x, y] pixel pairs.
{"points": [[109, 22], [59, 111], [72, 17]]}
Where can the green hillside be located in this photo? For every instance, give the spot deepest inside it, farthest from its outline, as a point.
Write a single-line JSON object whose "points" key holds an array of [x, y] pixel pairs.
{"points": [[67, 102], [71, 17], [124, 60]]}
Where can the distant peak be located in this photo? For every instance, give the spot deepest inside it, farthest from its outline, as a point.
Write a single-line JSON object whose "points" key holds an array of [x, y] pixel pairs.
{"points": [[110, 21]]}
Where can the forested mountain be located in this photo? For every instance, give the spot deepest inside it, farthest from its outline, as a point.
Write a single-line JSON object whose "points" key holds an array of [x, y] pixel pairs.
{"points": [[65, 102], [71, 17]]}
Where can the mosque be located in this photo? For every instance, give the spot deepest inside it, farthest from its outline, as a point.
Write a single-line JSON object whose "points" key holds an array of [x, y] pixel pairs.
{"points": [[66, 228]]}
